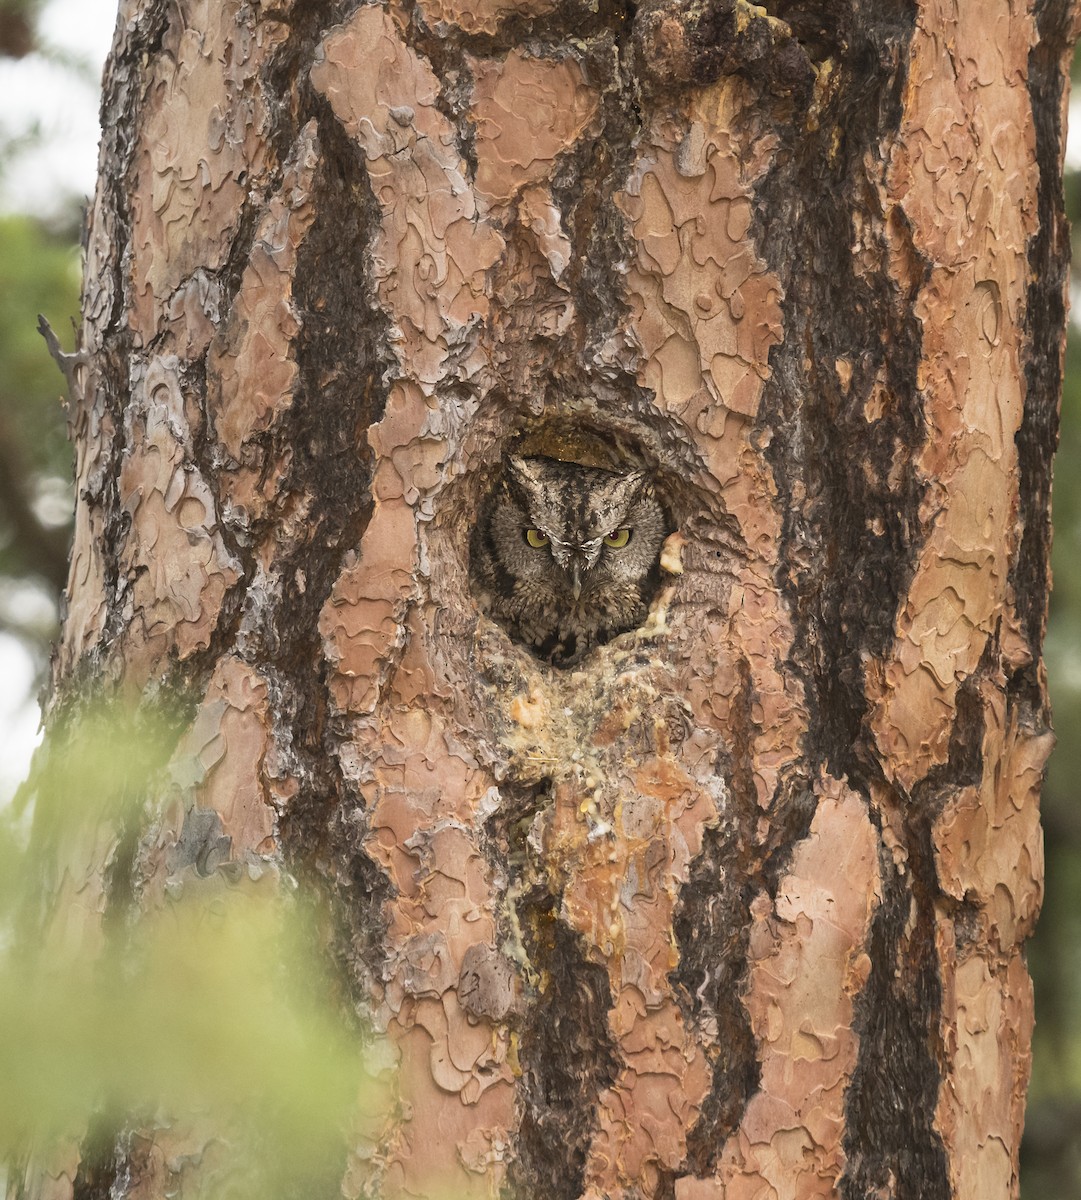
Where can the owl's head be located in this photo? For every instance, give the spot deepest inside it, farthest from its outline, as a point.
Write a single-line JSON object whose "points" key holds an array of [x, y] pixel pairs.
{"points": [[578, 529]]}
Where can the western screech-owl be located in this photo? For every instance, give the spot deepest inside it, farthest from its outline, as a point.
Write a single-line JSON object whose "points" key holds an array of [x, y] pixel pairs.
{"points": [[566, 556]]}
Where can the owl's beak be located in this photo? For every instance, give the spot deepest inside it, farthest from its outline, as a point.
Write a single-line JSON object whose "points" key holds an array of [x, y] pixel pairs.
{"points": [[582, 558]]}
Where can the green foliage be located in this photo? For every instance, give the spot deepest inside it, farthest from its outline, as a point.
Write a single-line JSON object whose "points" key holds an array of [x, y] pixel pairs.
{"points": [[39, 273], [206, 1015]]}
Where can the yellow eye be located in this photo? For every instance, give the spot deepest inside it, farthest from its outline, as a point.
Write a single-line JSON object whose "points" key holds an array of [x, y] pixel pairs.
{"points": [[536, 539], [618, 539]]}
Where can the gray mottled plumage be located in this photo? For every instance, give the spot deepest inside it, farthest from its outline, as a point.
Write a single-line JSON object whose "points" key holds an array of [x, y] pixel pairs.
{"points": [[576, 590]]}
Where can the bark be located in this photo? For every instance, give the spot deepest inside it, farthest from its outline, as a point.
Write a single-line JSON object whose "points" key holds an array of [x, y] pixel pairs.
{"points": [[736, 906]]}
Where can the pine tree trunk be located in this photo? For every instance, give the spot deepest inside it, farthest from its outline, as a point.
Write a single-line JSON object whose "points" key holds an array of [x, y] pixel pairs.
{"points": [[735, 906]]}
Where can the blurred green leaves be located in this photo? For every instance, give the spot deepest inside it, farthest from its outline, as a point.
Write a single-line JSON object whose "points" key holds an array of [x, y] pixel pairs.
{"points": [[201, 1011], [39, 272], [197, 1020]]}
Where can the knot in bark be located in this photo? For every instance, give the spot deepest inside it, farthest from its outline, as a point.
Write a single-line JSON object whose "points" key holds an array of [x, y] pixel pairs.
{"points": [[696, 42]]}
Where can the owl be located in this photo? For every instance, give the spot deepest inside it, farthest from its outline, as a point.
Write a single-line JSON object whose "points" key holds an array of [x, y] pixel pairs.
{"points": [[566, 556]]}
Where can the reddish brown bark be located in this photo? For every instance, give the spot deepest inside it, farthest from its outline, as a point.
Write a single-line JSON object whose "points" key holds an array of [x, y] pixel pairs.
{"points": [[735, 906]]}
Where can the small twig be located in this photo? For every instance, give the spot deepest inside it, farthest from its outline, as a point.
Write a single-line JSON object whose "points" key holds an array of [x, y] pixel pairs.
{"points": [[66, 362]]}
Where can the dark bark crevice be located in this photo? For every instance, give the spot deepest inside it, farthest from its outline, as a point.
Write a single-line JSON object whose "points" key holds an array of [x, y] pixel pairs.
{"points": [[712, 927], [566, 1052], [342, 359], [288, 75], [1049, 265], [852, 510], [583, 187], [102, 1161], [567, 1056], [890, 1141]]}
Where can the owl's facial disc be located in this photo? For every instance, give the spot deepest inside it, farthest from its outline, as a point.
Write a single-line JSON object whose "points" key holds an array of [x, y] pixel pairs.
{"points": [[578, 515], [565, 555]]}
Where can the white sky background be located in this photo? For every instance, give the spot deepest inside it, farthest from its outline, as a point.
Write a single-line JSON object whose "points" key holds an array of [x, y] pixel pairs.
{"points": [[36, 92]]}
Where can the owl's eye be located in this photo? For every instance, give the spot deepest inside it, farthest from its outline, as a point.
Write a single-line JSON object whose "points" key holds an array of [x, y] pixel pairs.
{"points": [[536, 539], [618, 539]]}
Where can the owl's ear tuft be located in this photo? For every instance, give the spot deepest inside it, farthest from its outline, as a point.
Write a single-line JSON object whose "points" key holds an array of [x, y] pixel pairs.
{"points": [[625, 489], [524, 472]]}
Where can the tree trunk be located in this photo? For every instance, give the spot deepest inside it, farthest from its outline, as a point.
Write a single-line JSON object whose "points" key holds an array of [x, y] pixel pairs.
{"points": [[735, 905]]}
